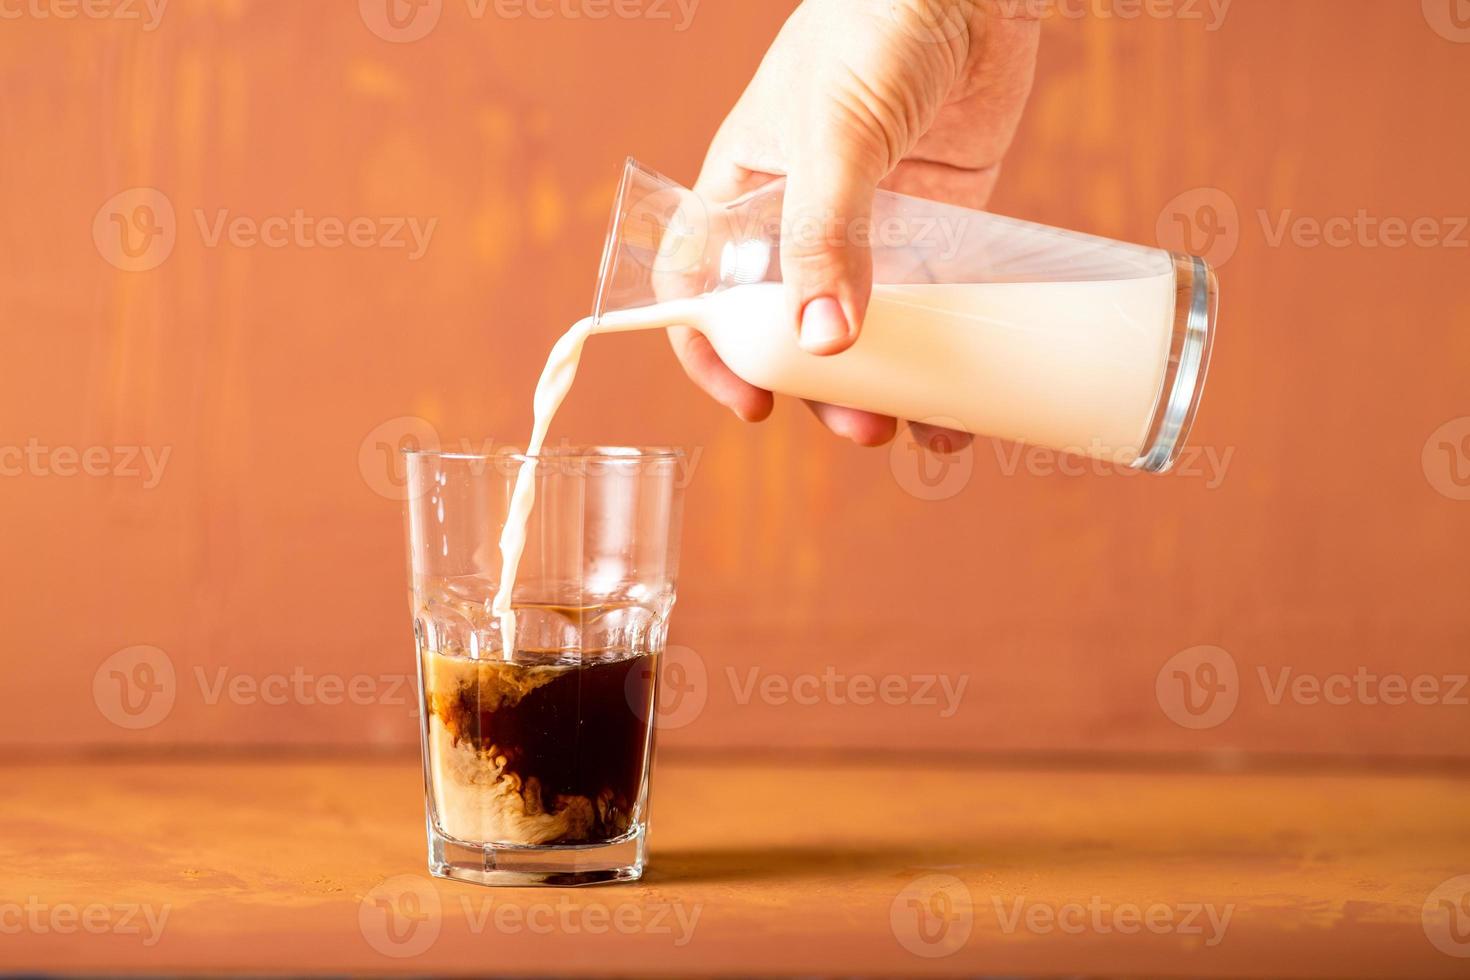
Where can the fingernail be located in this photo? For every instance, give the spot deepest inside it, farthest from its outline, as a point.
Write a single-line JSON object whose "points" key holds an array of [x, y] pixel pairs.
{"points": [[822, 325]]}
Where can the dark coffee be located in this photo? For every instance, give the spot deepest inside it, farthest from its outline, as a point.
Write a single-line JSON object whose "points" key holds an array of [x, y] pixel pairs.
{"points": [[545, 750]]}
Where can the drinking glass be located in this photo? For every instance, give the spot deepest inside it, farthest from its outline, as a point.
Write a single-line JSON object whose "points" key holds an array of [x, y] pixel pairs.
{"points": [[536, 758]]}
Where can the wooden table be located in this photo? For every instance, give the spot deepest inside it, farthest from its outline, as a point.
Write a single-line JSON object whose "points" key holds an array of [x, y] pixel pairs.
{"points": [[758, 866]]}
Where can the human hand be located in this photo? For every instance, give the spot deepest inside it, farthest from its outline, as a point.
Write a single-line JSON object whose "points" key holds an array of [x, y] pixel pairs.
{"points": [[917, 96]]}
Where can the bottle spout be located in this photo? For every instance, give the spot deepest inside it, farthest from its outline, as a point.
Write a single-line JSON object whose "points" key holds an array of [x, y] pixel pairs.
{"points": [[666, 243], [686, 312], [655, 248]]}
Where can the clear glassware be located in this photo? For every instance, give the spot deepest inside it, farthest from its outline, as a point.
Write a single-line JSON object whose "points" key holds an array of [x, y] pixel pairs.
{"points": [[536, 759], [978, 322]]}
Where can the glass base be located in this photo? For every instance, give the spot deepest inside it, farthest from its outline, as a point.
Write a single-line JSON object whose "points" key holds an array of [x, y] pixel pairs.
{"points": [[509, 864]]}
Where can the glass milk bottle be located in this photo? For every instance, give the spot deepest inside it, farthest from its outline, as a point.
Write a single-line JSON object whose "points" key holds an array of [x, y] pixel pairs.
{"points": [[977, 322]]}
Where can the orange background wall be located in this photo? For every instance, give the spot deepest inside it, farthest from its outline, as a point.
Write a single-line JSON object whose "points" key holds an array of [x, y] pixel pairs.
{"points": [[1333, 540]]}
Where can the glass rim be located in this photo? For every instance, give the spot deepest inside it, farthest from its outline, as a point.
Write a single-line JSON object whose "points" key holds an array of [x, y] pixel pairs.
{"points": [[604, 454]]}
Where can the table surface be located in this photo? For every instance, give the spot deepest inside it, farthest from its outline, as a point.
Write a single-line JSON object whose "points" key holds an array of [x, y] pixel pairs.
{"points": [[757, 866]]}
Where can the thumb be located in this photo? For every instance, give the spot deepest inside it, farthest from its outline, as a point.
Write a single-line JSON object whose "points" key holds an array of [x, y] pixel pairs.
{"points": [[826, 260]]}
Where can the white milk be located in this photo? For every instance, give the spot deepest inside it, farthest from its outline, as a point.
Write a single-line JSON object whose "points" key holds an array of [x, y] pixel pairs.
{"points": [[1077, 366]]}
